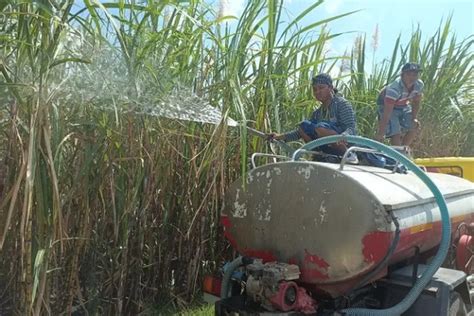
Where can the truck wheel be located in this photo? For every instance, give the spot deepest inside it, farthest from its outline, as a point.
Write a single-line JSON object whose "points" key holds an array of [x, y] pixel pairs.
{"points": [[456, 305]]}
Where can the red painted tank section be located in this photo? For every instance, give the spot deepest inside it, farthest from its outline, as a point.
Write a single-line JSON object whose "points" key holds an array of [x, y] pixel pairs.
{"points": [[315, 269], [226, 224], [426, 240], [375, 245]]}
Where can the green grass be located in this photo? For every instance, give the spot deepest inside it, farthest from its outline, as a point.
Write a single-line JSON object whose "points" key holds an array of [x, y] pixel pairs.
{"points": [[198, 311], [195, 309]]}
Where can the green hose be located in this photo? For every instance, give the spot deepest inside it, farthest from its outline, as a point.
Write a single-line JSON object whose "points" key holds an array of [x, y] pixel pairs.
{"points": [[431, 269]]}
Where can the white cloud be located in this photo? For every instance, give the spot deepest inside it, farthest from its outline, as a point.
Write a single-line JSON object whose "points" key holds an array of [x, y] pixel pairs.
{"points": [[332, 6], [231, 7]]}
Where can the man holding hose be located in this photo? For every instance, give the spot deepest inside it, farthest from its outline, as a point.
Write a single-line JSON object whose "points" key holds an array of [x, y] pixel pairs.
{"points": [[334, 116]]}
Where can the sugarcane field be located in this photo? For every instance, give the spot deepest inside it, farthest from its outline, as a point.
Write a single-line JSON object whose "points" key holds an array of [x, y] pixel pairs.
{"points": [[247, 157]]}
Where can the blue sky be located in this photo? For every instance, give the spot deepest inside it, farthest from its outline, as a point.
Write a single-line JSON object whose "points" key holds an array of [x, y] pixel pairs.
{"points": [[393, 17]]}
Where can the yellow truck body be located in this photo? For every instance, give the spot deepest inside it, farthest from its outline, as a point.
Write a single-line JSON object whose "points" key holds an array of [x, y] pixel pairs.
{"points": [[457, 166]]}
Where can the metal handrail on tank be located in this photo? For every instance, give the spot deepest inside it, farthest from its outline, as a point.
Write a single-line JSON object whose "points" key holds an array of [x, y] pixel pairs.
{"points": [[444, 245], [304, 151], [297, 153], [255, 155]]}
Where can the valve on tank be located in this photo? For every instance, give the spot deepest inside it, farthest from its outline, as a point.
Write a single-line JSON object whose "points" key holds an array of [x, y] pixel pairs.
{"points": [[273, 286]]}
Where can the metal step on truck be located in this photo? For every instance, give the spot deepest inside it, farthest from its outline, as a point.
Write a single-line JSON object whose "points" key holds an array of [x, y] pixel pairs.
{"points": [[332, 238]]}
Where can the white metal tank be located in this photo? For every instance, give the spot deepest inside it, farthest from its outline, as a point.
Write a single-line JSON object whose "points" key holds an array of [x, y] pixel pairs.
{"points": [[336, 224]]}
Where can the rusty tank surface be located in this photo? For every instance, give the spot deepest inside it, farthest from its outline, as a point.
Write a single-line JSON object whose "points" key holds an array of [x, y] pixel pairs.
{"points": [[337, 225]]}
